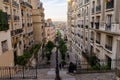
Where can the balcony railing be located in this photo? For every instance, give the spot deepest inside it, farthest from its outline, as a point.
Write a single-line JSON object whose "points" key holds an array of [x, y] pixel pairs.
{"points": [[25, 4], [98, 42], [16, 18], [17, 31], [108, 47], [110, 4], [7, 1], [15, 3], [98, 8], [108, 27], [97, 25]]}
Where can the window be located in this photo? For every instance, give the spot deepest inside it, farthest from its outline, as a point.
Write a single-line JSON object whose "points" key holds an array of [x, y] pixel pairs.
{"points": [[108, 20], [109, 41], [98, 38], [4, 46]]}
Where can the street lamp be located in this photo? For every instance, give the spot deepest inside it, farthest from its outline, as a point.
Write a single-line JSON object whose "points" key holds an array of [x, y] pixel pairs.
{"points": [[57, 69]]}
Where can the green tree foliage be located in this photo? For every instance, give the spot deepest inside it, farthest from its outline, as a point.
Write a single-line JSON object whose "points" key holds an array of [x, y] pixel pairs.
{"points": [[3, 21], [59, 34], [22, 60], [49, 47], [62, 48]]}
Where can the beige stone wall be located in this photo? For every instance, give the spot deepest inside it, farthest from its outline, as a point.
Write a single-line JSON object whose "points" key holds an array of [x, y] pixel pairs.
{"points": [[38, 24], [7, 58], [49, 34]]}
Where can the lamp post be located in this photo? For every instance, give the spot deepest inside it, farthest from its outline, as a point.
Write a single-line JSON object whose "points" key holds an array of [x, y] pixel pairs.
{"points": [[57, 69]]}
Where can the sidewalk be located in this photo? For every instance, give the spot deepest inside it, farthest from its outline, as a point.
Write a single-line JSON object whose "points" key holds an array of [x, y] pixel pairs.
{"points": [[50, 75]]}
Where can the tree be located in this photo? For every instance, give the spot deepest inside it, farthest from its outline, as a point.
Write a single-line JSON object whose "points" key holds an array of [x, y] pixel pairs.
{"points": [[62, 48], [49, 47], [59, 34]]}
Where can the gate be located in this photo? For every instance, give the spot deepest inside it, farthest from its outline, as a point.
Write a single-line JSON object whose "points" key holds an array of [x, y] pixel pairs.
{"points": [[18, 73]]}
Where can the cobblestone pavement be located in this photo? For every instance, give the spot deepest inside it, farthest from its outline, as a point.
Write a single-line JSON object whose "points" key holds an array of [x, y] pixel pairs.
{"points": [[96, 76]]}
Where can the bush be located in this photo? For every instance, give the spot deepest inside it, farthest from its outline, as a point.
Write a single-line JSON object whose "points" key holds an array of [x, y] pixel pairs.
{"points": [[22, 60], [105, 67], [96, 67], [92, 60], [48, 62]]}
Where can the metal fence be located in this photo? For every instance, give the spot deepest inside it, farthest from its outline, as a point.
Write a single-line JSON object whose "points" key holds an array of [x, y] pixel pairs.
{"points": [[95, 66], [18, 73]]}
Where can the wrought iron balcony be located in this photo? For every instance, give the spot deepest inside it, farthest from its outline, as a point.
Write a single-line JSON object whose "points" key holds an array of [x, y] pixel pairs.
{"points": [[16, 18], [25, 4], [108, 47], [110, 4], [15, 3], [97, 41], [96, 25], [98, 8], [6, 1], [17, 31], [108, 27]]}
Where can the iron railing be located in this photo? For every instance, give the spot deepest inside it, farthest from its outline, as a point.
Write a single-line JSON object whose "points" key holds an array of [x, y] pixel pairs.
{"points": [[18, 73]]}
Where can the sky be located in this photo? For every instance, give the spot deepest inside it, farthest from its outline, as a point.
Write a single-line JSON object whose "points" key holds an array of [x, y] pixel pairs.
{"points": [[55, 9]]}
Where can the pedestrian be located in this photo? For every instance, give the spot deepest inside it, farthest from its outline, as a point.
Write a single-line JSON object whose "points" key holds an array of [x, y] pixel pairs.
{"points": [[60, 66], [71, 68]]}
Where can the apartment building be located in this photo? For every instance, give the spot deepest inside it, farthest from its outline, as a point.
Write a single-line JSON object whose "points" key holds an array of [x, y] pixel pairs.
{"points": [[38, 21], [82, 28], [69, 28], [49, 31], [27, 25], [78, 22], [95, 29], [12, 7], [6, 50], [105, 29]]}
